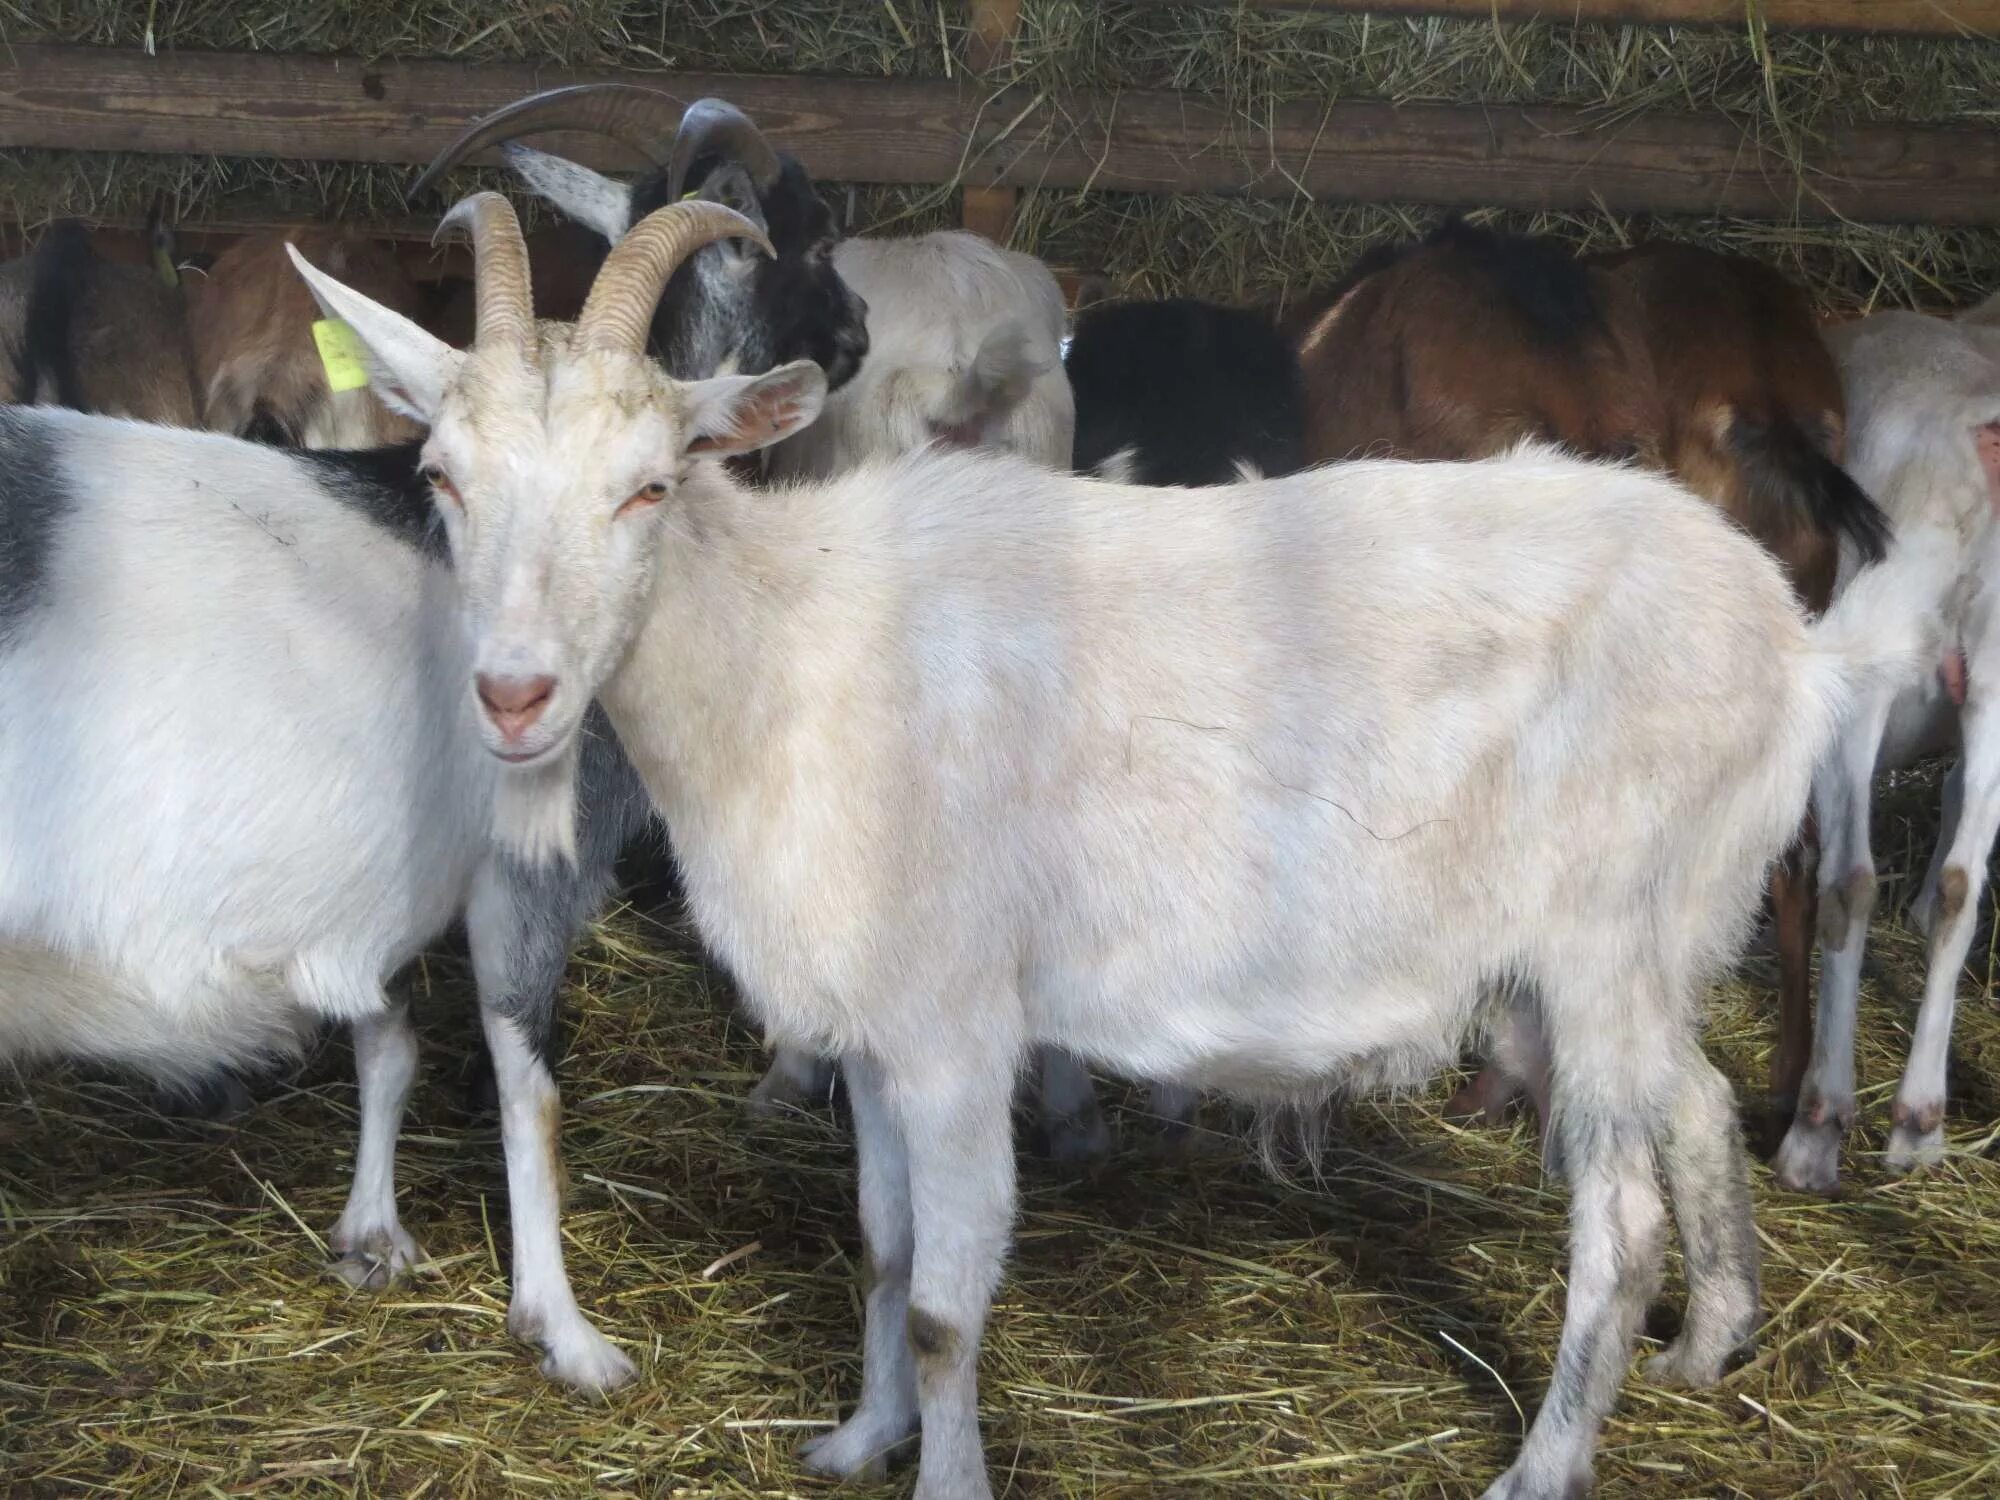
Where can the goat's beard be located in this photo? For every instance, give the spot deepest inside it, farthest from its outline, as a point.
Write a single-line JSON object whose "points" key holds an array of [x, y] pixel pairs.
{"points": [[534, 808]]}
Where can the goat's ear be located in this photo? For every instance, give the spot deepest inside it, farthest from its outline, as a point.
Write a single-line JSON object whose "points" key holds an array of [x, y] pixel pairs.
{"points": [[729, 184], [408, 369], [734, 414], [590, 198]]}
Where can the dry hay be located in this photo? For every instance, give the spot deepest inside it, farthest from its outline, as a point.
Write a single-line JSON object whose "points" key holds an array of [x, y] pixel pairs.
{"points": [[1168, 1326], [1781, 87]]}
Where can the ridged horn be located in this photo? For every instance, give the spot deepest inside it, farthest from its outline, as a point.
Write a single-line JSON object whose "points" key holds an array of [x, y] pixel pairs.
{"points": [[501, 290], [719, 127], [619, 310], [636, 117]]}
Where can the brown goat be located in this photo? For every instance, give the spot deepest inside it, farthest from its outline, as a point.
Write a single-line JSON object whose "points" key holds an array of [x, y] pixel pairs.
{"points": [[1462, 345], [1753, 421], [258, 367], [1709, 366], [77, 329]]}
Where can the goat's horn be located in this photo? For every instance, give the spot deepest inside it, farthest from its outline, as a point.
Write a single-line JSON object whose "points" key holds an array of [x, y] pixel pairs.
{"points": [[619, 310], [501, 290], [623, 112], [717, 127]]}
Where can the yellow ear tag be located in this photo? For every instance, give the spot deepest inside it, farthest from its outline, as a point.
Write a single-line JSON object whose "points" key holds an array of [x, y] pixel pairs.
{"points": [[340, 353]]}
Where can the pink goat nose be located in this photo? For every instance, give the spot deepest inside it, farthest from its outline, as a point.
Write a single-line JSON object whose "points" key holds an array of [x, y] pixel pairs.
{"points": [[514, 703]]}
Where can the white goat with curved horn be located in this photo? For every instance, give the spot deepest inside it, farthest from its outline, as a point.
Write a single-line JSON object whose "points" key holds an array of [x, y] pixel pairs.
{"points": [[1242, 787]]}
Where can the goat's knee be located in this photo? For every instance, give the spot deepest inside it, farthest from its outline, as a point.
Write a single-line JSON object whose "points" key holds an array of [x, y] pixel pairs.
{"points": [[1846, 906]]}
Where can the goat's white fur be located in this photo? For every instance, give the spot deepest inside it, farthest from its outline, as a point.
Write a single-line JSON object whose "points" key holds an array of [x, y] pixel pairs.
{"points": [[243, 785], [1918, 390], [962, 335]]}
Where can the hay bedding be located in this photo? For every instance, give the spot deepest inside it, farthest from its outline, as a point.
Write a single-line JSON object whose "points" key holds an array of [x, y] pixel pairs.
{"points": [[1169, 1326]]}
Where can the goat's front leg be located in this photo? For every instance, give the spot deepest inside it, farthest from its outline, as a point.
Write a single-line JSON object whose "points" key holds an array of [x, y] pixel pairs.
{"points": [[373, 1247], [1072, 1123], [859, 1448], [1794, 910], [958, 1128], [937, 1200], [520, 923]]}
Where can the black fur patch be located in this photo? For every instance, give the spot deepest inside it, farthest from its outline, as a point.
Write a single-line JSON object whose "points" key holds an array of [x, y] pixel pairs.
{"points": [[58, 289], [1788, 471], [1537, 274], [1190, 387], [799, 308], [33, 499], [387, 486]]}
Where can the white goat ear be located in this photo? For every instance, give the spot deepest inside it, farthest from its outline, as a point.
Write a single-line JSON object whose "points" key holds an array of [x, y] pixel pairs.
{"points": [[733, 414], [590, 198], [408, 369]]}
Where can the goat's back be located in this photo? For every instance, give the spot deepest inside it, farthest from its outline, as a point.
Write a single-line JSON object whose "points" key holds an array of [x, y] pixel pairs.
{"points": [[1750, 399], [936, 302], [80, 330], [235, 754], [256, 362], [1469, 342], [1189, 391]]}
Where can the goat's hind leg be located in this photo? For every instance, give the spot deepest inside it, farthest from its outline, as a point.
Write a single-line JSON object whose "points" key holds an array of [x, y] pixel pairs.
{"points": [[796, 1079], [1709, 1184], [374, 1249], [859, 1448], [1916, 1135], [1617, 1239]]}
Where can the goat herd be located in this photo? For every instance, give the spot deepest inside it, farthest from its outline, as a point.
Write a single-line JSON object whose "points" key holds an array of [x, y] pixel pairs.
{"points": [[1150, 708]]}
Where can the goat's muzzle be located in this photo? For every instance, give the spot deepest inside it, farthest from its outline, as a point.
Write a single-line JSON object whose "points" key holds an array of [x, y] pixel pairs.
{"points": [[514, 704]]}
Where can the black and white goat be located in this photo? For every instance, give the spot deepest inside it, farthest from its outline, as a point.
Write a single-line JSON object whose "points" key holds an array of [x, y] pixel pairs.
{"points": [[240, 770], [1241, 787]]}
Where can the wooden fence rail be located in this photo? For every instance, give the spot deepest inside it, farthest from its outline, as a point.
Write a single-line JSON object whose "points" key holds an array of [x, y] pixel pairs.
{"points": [[917, 131], [1945, 18]]}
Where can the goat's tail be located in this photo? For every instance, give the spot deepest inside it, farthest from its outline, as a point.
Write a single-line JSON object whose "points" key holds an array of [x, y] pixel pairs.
{"points": [[1785, 470], [995, 382], [58, 288], [1868, 642]]}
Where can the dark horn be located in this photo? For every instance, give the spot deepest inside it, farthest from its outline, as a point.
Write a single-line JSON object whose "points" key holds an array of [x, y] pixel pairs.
{"points": [[623, 112], [716, 126]]}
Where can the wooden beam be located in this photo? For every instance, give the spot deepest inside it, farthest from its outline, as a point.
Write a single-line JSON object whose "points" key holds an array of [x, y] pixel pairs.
{"points": [[990, 210], [1960, 18], [934, 132]]}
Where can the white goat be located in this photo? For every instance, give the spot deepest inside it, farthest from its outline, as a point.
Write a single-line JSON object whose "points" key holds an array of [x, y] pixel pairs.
{"points": [[964, 347], [1251, 788], [242, 784], [1923, 422]]}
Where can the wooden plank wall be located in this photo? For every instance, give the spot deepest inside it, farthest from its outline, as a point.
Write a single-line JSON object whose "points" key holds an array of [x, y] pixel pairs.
{"points": [[932, 132]]}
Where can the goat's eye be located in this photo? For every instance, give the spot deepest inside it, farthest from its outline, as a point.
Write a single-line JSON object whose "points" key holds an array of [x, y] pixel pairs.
{"points": [[645, 495], [440, 481]]}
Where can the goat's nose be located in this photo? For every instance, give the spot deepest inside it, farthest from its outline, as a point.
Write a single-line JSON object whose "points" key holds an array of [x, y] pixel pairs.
{"points": [[514, 703]]}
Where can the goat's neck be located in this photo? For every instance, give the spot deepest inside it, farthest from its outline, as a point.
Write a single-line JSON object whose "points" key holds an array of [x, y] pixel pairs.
{"points": [[700, 701]]}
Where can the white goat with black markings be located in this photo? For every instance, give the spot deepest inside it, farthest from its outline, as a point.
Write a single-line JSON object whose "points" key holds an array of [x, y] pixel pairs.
{"points": [[1923, 424], [242, 784], [1242, 787]]}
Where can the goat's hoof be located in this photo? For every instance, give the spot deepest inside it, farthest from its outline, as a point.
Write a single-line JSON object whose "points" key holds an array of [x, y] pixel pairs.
{"points": [[1078, 1140], [374, 1260], [778, 1094], [1808, 1160], [1917, 1137], [1518, 1483], [1681, 1366], [585, 1360], [858, 1449]]}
